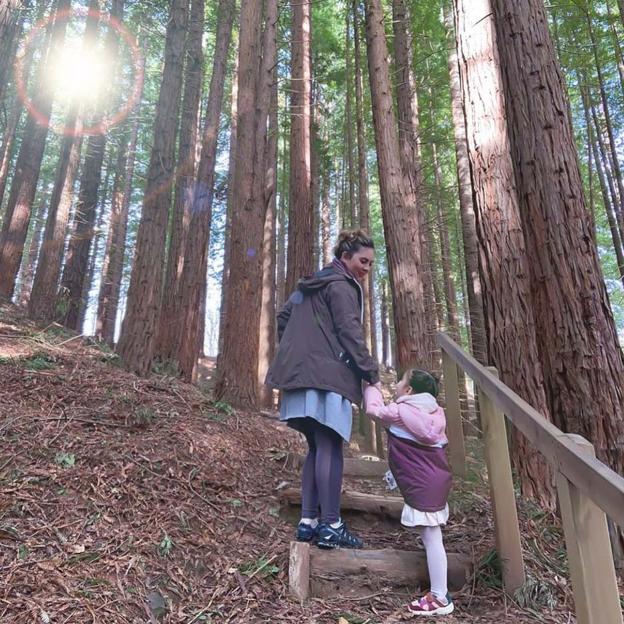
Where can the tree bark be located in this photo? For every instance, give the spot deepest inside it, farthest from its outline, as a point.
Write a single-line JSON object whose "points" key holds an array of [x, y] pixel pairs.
{"points": [[10, 28], [349, 123], [8, 140], [28, 270], [24, 183], [466, 204], [72, 293], [195, 263], [112, 265], [300, 219], [401, 222], [42, 303], [237, 378], [576, 334], [512, 339], [170, 327], [136, 343]]}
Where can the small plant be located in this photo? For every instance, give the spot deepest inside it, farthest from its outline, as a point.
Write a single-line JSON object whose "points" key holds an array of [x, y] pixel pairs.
{"points": [[38, 362], [536, 593], [489, 570], [165, 546], [143, 416], [65, 460], [167, 368], [260, 567], [22, 552]]}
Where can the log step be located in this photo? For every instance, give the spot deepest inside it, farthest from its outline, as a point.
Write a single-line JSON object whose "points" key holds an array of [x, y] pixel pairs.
{"points": [[389, 506], [353, 466], [318, 573]]}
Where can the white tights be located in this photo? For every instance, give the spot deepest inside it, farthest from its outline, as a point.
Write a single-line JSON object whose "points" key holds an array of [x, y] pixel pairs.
{"points": [[436, 559]]}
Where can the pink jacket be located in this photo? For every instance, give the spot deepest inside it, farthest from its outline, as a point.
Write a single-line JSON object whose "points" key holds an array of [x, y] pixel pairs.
{"points": [[417, 414]]}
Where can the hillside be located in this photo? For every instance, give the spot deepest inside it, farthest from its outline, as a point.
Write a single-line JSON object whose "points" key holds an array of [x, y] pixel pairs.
{"points": [[131, 500]]}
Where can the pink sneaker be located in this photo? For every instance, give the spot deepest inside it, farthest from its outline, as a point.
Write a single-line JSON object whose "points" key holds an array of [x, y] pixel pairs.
{"points": [[430, 605]]}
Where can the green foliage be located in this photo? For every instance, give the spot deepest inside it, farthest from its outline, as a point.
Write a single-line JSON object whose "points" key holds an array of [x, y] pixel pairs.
{"points": [[38, 362], [261, 567], [165, 547], [65, 460]]}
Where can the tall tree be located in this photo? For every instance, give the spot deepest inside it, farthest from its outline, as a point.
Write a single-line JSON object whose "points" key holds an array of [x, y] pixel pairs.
{"points": [[194, 267], [73, 281], [576, 333], [237, 376], [114, 252], [10, 27], [28, 267], [136, 343], [409, 136], [300, 219], [24, 183], [168, 334], [466, 205], [401, 222], [512, 339]]}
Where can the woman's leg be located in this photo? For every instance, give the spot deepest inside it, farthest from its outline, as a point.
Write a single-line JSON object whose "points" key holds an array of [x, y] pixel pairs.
{"points": [[328, 471], [309, 490], [436, 560]]}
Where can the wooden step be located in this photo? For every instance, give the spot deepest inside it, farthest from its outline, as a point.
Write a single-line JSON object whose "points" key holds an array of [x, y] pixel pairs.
{"points": [[314, 572], [390, 506], [353, 466]]}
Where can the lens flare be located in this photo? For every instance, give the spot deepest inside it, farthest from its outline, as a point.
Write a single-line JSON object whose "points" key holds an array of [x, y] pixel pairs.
{"points": [[80, 76]]}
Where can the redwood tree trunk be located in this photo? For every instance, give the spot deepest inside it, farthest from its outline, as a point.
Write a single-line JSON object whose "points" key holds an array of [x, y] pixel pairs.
{"points": [[10, 27], [170, 327], [300, 218], [237, 377], [42, 303], [507, 295], [401, 222], [73, 282], [136, 343], [466, 205], [409, 133], [24, 183], [576, 334], [28, 270], [194, 269]]}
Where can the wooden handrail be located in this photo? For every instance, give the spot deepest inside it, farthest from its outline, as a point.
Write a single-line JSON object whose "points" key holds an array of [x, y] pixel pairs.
{"points": [[593, 478]]}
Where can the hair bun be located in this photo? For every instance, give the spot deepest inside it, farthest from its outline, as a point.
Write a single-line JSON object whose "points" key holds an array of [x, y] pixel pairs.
{"points": [[351, 241]]}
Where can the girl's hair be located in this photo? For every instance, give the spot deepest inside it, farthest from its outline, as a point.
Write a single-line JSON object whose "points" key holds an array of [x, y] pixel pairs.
{"points": [[421, 381], [351, 241]]}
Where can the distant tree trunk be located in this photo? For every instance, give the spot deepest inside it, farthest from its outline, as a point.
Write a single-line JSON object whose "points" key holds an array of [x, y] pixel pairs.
{"points": [[315, 186], [616, 46], [170, 327], [96, 245], [385, 326], [33, 252], [24, 183], [283, 226], [73, 282], [401, 222], [617, 171], [466, 205], [504, 262], [136, 343], [325, 225], [112, 265], [409, 134], [228, 215], [353, 209], [10, 27], [267, 310], [363, 204], [195, 262], [570, 301], [42, 303], [237, 378], [300, 220]]}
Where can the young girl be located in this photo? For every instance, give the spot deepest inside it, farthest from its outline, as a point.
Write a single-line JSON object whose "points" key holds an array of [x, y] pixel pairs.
{"points": [[417, 458]]}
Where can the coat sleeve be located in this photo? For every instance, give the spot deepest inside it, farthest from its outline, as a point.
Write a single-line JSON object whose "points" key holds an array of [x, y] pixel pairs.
{"points": [[282, 318], [345, 311], [374, 406]]}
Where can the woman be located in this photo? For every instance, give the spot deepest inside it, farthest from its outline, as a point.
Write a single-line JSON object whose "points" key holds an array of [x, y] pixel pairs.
{"points": [[321, 361]]}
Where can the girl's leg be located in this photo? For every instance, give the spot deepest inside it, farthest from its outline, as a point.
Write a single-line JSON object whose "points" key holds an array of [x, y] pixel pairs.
{"points": [[328, 471], [309, 490], [436, 560]]}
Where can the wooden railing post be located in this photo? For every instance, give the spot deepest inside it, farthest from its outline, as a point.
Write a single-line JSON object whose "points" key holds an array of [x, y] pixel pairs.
{"points": [[592, 571], [506, 525], [457, 451]]}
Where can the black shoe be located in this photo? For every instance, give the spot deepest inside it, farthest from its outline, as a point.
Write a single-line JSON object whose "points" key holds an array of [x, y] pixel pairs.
{"points": [[305, 532], [330, 537]]}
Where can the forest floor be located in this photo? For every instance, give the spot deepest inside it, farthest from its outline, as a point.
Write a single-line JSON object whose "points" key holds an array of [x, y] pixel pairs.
{"points": [[130, 500]]}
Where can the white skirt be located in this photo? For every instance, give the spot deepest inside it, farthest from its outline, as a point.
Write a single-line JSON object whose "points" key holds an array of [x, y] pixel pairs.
{"points": [[411, 517]]}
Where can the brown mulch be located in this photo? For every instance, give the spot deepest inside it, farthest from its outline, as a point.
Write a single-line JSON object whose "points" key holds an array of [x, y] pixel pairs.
{"points": [[130, 500]]}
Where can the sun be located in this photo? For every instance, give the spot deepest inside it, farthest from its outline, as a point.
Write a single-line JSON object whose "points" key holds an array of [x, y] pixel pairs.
{"points": [[78, 75]]}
